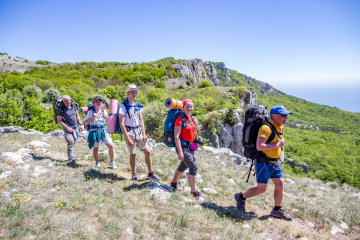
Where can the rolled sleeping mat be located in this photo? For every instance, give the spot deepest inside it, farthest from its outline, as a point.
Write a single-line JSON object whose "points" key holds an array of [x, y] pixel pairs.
{"points": [[86, 109], [173, 104], [113, 109]]}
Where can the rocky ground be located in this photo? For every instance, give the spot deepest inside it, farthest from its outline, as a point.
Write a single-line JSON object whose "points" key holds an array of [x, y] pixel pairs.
{"points": [[43, 197]]}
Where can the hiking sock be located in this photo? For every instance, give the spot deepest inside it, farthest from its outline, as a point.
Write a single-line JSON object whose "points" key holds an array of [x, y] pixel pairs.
{"points": [[242, 197], [277, 208], [172, 183]]}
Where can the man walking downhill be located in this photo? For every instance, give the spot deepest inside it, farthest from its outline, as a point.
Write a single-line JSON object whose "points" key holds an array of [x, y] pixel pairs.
{"points": [[68, 117], [133, 128], [269, 166]]}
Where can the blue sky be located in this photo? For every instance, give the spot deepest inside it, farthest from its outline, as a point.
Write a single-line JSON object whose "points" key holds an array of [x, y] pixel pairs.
{"points": [[285, 43]]}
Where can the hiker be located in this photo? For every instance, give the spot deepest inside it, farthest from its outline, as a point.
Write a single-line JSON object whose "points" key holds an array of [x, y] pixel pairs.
{"points": [[133, 128], [69, 118], [185, 135], [269, 165], [97, 118]]}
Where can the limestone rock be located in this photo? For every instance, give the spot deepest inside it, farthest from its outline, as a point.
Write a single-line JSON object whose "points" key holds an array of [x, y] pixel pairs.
{"points": [[57, 133], [210, 191], [11, 129], [37, 144], [335, 230]]}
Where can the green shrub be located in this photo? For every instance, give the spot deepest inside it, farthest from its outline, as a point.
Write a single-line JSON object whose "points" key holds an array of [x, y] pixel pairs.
{"points": [[38, 117], [31, 91], [160, 83], [240, 92], [229, 117], [42, 62], [156, 94], [10, 110], [211, 121], [204, 84], [2, 89], [50, 95], [154, 116], [114, 92]]}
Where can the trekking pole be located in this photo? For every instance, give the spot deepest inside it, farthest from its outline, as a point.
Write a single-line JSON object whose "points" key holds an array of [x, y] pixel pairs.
{"points": [[249, 172]]}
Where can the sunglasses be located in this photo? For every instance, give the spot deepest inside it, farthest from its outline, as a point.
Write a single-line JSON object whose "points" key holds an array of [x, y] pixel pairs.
{"points": [[283, 115]]}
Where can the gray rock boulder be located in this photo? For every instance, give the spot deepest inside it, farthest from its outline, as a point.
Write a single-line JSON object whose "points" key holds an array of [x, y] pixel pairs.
{"points": [[11, 129]]}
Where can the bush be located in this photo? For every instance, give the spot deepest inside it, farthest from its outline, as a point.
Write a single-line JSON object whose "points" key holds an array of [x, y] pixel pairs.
{"points": [[154, 116], [42, 62], [1, 86], [156, 94], [211, 121], [229, 117], [240, 92], [50, 95], [38, 117], [31, 91], [160, 83], [114, 92], [204, 84], [10, 110]]}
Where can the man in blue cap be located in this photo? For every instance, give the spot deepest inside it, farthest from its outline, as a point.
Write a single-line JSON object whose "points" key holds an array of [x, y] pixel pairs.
{"points": [[269, 166]]}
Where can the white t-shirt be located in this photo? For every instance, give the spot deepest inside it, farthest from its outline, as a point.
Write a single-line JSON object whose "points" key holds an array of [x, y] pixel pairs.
{"points": [[98, 120], [134, 119]]}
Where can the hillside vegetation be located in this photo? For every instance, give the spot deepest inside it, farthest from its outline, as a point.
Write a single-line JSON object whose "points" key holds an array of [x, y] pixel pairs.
{"points": [[326, 139], [42, 197]]}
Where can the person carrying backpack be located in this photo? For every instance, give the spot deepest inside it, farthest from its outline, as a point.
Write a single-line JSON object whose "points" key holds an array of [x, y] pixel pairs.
{"points": [[133, 128], [69, 118], [185, 135], [97, 117], [268, 164]]}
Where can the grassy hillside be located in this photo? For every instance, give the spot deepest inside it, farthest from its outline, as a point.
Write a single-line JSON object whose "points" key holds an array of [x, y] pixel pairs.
{"points": [[332, 152], [43, 198]]}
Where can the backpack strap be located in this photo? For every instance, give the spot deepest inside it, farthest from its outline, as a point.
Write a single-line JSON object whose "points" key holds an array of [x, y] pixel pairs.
{"points": [[261, 156], [273, 132]]}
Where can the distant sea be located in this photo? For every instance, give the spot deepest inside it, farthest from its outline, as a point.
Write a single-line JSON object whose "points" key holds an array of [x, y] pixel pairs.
{"points": [[344, 97]]}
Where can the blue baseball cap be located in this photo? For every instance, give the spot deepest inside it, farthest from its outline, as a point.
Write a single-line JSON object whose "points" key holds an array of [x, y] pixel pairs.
{"points": [[279, 109]]}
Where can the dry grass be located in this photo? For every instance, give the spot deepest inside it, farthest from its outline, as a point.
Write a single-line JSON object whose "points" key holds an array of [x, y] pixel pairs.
{"points": [[89, 203]]}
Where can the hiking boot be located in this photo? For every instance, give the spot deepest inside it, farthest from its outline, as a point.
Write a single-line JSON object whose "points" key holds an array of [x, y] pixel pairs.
{"points": [[280, 214], [197, 194], [112, 165], [72, 162], [176, 187], [134, 177], [97, 164], [153, 176], [240, 203]]}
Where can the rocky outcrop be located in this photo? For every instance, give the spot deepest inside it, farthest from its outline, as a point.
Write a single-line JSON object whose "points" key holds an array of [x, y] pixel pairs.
{"points": [[11, 64], [292, 164], [227, 136], [250, 98], [193, 71]]}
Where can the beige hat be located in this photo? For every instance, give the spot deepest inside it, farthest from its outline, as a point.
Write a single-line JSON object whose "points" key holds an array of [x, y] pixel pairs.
{"points": [[131, 87]]}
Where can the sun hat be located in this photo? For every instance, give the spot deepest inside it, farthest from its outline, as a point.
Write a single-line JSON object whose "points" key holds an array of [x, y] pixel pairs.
{"points": [[131, 87]]}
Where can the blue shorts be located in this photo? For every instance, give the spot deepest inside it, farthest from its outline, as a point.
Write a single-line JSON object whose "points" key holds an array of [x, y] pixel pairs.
{"points": [[264, 171]]}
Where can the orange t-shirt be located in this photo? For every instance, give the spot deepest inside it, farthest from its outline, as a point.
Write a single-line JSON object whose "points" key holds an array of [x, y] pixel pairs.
{"points": [[188, 133]]}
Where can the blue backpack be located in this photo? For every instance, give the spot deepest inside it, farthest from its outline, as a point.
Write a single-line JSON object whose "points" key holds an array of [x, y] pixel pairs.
{"points": [[168, 137], [136, 105]]}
